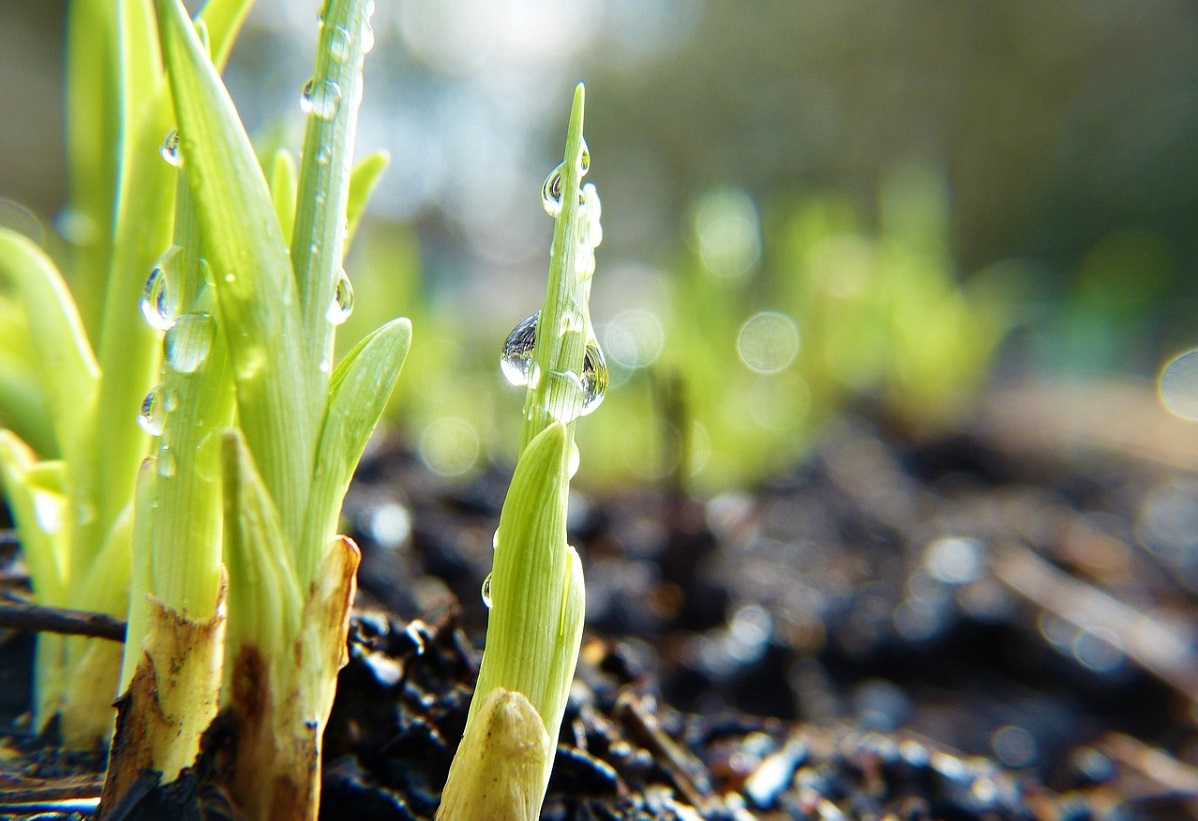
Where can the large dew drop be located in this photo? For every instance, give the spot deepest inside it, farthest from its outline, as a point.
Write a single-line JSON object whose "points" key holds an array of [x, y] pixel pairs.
{"points": [[551, 192], [1178, 385], [517, 365], [188, 342], [152, 416], [321, 98], [342, 303], [170, 148], [594, 378], [516, 360], [158, 299]]}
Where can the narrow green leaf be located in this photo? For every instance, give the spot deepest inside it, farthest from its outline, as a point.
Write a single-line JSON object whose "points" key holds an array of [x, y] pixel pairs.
{"points": [[128, 349], [332, 96], [65, 361], [265, 598], [532, 584], [365, 177], [282, 190], [276, 392], [93, 132], [358, 393], [41, 519], [223, 19], [195, 374]]}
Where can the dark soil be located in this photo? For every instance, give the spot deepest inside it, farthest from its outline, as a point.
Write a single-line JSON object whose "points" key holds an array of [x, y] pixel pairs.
{"points": [[993, 624]]}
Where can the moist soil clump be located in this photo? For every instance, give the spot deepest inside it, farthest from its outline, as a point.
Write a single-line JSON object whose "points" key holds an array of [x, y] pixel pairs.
{"points": [[955, 628]]}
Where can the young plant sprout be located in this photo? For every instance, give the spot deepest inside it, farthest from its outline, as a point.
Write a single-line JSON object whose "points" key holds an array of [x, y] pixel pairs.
{"points": [[535, 590], [214, 371]]}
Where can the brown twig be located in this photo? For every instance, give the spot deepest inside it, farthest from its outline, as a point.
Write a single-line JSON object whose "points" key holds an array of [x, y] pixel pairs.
{"points": [[37, 619]]}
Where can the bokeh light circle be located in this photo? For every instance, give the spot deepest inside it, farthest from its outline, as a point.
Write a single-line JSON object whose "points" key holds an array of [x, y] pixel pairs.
{"points": [[768, 342]]}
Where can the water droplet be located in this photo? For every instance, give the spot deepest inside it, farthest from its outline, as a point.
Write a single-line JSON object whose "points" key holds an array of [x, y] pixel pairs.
{"points": [[1178, 385], [170, 148], [495, 540], [342, 303], [590, 229], [321, 98], [339, 42], [153, 412], [574, 460], [516, 360], [206, 272], [166, 462], [170, 400], [188, 342], [158, 300], [367, 36], [519, 369], [323, 155], [594, 378], [487, 591], [551, 192], [584, 161]]}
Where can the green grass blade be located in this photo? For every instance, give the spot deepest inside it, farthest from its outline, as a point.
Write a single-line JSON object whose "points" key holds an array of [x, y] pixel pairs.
{"points": [[223, 19], [333, 95], [358, 393], [93, 146], [282, 190], [255, 288], [40, 516], [265, 598], [66, 365], [362, 181]]}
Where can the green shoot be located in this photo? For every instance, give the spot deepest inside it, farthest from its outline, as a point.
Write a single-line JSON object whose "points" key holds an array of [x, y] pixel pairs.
{"points": [[536, 588]]}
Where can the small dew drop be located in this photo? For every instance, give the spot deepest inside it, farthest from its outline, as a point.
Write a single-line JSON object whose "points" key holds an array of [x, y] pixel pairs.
{"points": [[1178, 385], [339, 42], [153, 411], [342, 303], [170, 148], [188, 342], [321, 98], [584, 160], [594, 378], [495, 540], [323, 155], [551, 192], [487, 591], [158, 300], [516, 360], [367, 36], [166, 462]]}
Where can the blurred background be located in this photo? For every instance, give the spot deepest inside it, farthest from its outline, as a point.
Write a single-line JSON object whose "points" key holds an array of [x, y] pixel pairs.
{"points": [[807, 206]]}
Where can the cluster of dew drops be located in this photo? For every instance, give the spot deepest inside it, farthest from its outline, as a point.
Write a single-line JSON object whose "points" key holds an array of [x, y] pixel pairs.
{"points": [[517, 360], [188, 336]]}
